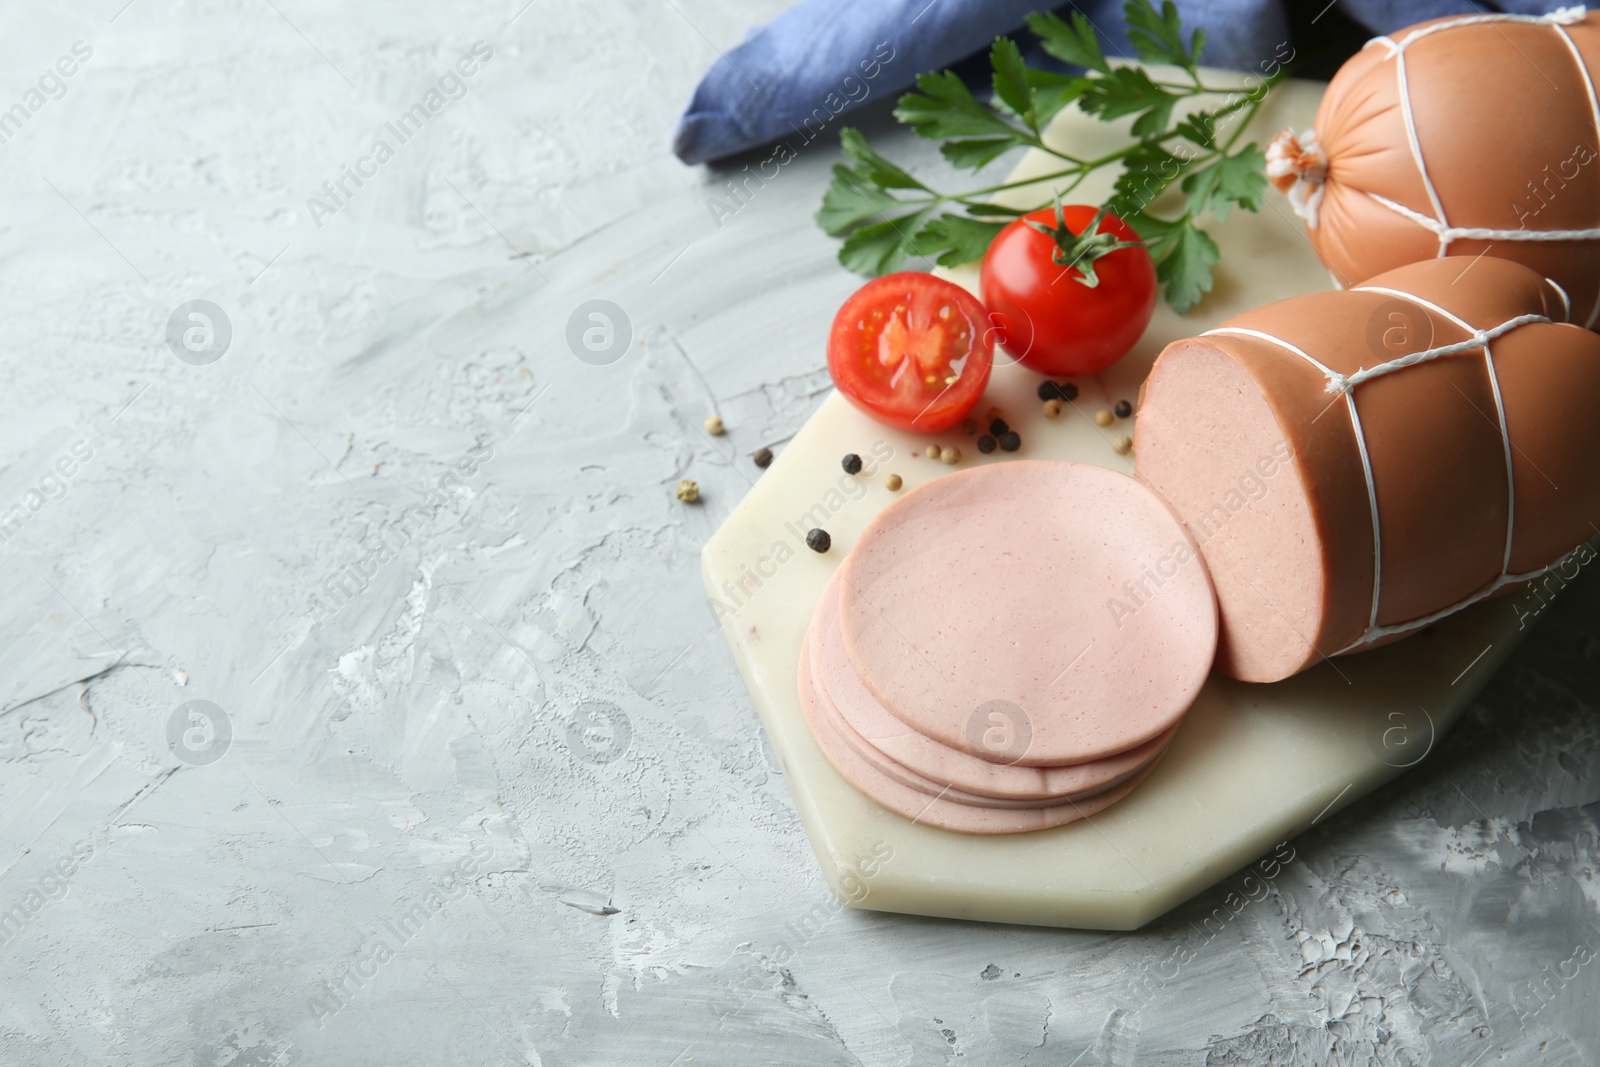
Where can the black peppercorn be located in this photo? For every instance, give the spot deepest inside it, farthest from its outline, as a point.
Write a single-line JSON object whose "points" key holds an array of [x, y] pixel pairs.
{"points": [[762, 457], [998, 426], [819, 541], [1050, 391], [1009, 441], [1122, 409], [986, 444], [851, 463]]}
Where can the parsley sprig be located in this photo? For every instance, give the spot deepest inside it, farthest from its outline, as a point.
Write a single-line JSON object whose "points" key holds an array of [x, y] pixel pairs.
{"points": [[884, 214]]}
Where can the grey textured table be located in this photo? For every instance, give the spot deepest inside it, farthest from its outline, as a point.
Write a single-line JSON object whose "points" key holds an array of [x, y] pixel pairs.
{"points": [[361, 704]]}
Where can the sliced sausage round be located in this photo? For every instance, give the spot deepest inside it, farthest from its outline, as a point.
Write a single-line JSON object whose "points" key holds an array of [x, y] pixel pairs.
{"points": [[1036, 612]]}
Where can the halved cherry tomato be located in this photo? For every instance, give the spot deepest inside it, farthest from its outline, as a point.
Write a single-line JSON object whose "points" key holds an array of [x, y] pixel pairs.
{"points": [[1065, 302], [911, 350]]}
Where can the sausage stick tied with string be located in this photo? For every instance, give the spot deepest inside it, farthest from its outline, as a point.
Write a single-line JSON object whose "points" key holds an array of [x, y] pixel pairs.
{"points": [[1356, 465]]}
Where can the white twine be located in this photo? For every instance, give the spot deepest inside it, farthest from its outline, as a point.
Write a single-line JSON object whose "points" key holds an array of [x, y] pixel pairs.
{"points": [[1561, 16], [1447, 234], [1343, 383], [1566, 304], [1374, 633], [1416, 146]]}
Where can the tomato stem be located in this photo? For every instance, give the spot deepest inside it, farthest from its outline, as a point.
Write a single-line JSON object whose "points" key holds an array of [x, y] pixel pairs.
{"points": [[1078, 251]]}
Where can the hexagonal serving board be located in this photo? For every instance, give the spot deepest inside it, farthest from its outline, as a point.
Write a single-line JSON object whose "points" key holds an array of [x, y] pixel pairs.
{"points": [[1252, 765]]}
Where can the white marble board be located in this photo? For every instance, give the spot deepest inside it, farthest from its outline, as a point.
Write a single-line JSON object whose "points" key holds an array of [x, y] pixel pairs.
{"points": [[1252, 765]]}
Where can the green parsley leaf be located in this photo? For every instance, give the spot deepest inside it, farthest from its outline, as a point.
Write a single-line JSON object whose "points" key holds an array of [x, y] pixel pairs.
{"points": [[956, 239], [1199, 128], [1127, 91], [1052, 92], [944, 107], [873, 166], [1184, 255], [1234, 179], [1011, 80], [853, 200], [1072, 42], [1158, 36], [1154, 121], [974, 152], [1147, 171], [882, 247], [1185, 273]]}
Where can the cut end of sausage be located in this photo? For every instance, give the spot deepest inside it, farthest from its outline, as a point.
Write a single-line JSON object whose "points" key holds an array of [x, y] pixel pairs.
{"points": [[1210, 443]]}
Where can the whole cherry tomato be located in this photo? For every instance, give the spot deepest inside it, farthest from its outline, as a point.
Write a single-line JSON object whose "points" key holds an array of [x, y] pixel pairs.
{"points": [[1069, 289]]}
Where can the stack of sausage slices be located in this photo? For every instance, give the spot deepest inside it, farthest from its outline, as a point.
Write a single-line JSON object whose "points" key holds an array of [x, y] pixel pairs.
{"points": [[1009, 648]]}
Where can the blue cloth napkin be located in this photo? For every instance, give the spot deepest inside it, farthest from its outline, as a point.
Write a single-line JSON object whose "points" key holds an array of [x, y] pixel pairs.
{"points": [[793, 77]]}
